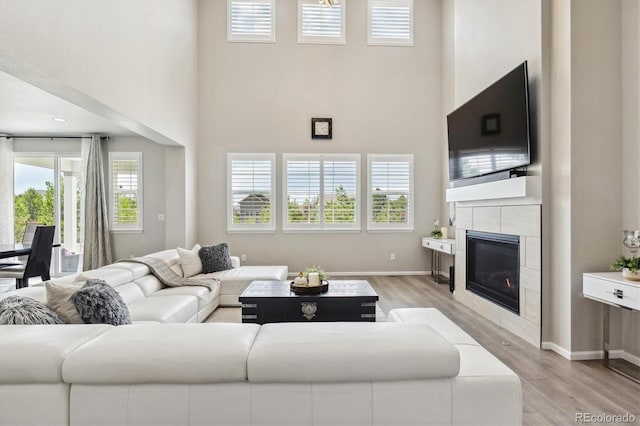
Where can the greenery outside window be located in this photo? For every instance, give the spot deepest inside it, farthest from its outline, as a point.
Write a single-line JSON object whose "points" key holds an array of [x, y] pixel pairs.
{"points": [[321, 192], [251, 192], [390, 192], [126, 195]]}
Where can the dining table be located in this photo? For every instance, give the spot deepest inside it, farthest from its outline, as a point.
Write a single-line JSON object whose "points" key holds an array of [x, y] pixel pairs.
{"points": [[8, 250]]}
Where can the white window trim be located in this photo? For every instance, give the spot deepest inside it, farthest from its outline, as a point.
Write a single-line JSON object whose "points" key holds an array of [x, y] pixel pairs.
{"points": [[390, 227], [302, 39], [320, 227], [139, 226], [251, 227], [252, 38], [375, 41]]}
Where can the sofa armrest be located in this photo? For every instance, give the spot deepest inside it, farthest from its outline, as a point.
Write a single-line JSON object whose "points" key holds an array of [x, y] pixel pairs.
{"points": [[235, 261]]}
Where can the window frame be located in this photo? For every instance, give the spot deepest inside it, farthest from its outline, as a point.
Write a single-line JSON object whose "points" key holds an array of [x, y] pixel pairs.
{"points": [[251, 38], [138, 227], [321, 227], [251, 227], [390, 227], [381, 41], [304, 39]]}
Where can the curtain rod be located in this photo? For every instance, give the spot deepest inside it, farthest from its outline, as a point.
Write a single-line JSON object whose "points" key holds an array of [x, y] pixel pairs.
{"points": [[105, 138]]}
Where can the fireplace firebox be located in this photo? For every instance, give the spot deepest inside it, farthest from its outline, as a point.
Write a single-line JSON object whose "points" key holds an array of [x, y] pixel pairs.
{"points": [[493, 268]]}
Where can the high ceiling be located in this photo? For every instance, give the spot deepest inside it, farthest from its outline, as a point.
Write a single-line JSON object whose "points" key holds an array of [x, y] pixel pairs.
{"points": [[26, 110]]}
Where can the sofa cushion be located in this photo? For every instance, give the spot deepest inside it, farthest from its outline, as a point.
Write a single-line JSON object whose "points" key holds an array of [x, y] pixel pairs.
{"points": [[436, 319], [215, 258], [113, 276], [26, 311], [165, 309], [99, 303], [37, 293], [130, 292], [171, 258], [350, 352], [137, 269], [35, 353], [149, 284], [190, 261], [204, 295], [164, 353], [59, 300]]}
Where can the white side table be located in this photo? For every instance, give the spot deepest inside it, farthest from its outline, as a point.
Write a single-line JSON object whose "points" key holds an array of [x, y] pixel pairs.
{"points": [[437, 246], [611, 289]]}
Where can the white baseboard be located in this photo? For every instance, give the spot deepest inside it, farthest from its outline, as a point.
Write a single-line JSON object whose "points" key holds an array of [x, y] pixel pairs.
{"points": [[588, 355], [556, 348], [379, 273]]}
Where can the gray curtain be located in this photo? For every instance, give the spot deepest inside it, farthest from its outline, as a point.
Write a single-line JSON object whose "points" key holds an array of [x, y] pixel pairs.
{"points": [[97, 245]]}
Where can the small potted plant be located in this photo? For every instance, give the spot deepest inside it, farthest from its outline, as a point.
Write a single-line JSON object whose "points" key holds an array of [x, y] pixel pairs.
{"points": [[322, 276], [437, 231], [630, 267]]}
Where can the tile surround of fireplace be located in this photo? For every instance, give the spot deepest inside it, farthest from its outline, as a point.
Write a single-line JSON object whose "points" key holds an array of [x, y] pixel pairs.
{"points": [[524, 222]]}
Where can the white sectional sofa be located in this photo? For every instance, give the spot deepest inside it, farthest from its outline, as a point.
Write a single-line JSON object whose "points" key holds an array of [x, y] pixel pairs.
{"points": [[420, 369], [149, 300]]}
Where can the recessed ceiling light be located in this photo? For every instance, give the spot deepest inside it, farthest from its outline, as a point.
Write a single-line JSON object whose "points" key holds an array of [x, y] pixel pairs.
{"points": [[60, 119]]}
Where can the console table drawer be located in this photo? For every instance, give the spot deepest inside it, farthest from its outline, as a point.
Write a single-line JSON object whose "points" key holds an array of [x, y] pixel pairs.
{"points": [[614, 292], [441, 245]]}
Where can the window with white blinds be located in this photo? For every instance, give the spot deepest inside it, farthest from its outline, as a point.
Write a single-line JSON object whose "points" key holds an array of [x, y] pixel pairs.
{"points": [[390, 22], [320, 23], [125, 170], [251, 20], [251, 192], [390, 192], [322, 192]]}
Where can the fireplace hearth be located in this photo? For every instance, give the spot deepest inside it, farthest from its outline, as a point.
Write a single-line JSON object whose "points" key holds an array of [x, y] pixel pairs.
{"points": [[493, 268]]}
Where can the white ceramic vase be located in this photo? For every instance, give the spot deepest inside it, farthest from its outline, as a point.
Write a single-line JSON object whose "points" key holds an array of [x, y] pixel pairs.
{"points": [[626, 273]]}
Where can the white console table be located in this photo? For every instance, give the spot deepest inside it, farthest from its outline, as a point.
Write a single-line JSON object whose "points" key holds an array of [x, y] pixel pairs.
{"points": [[611, 289], [437, 246]]}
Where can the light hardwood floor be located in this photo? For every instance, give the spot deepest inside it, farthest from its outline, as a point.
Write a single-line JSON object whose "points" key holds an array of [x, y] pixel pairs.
{"points": [[554, 389]]}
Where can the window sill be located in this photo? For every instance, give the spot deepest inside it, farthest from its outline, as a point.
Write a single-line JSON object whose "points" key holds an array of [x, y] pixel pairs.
{"points": [[126, 231], [321, 231]]}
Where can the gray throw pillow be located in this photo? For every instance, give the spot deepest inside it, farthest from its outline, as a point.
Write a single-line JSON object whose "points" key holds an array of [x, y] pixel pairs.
{"points": [[99, 303], [25, 310], [215, 258]]}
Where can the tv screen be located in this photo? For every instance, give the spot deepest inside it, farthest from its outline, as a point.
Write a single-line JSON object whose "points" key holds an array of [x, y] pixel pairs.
{"points": [[490, 133]]}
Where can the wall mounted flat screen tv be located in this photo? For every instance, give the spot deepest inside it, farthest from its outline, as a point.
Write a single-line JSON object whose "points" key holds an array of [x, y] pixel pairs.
{"points": [[490, 133]]}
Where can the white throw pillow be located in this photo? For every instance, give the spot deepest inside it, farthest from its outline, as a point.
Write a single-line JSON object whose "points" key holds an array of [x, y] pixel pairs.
{"points": [[190, 261], [58, 296]]}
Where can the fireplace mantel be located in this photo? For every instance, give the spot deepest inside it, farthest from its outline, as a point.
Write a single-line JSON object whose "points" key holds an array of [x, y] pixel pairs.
{"points": [[529, 187]]}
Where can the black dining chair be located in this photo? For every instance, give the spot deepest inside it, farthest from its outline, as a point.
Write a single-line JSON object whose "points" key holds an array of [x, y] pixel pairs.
{"points": [[39, 259]]}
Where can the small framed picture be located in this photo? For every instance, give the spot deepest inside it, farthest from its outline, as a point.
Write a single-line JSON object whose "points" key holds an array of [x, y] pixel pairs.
{"points": [[321, 128]]}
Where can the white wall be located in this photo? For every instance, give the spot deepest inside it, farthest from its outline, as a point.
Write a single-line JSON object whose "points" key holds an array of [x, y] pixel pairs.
{"points": [[596, 163], [261, 97], [630, 146], [124, 244], [134, 62], [556, 242]]}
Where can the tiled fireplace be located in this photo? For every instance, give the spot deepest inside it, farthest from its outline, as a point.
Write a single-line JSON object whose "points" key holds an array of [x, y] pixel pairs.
{"points": [[519, 224]]}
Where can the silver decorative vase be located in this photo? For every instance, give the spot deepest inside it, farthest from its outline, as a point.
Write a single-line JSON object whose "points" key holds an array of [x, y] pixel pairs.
{"points": [[631, 241]]}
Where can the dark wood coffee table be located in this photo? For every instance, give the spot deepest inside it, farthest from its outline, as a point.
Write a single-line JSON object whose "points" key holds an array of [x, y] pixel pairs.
{"points": [[273, 301]]}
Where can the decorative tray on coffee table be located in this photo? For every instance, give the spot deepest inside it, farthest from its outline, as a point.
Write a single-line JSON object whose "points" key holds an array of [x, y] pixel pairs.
{"points": [[305, 289]]}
